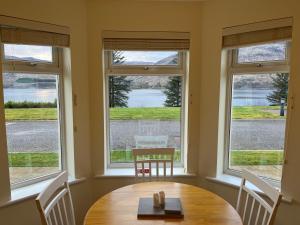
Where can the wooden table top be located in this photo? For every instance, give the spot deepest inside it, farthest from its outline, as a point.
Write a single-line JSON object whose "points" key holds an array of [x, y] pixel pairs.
{"points": [[200, 206]]}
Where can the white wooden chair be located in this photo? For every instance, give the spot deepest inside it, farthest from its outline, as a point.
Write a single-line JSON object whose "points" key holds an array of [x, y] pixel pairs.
{"points": [[253, 209], [147, 158], [55, 202]]}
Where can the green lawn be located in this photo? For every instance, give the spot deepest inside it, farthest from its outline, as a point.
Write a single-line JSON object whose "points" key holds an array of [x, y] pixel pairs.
{"points": [[126, 156], [238, 158], [173, 113], [164, 113], [256, 112], [31, 114], [49, 159], [256, 157]]}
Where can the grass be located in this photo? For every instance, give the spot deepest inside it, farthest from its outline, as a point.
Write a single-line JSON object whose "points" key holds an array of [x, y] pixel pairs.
{"points": [[49, 159], [163, 113], [256, 112], [31, 114], [256, 157], [126, 156], [238, 158], [173, 113]]}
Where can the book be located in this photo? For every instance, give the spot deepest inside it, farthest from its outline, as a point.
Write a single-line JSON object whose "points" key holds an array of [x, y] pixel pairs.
{"points": [[172, 209], [173, 206]]}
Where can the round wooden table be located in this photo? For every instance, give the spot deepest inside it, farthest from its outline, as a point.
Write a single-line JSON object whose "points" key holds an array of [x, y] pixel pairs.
{"points": [[200, 206]]}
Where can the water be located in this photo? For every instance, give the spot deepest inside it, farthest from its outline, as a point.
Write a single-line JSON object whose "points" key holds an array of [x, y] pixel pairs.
{"points": [[146, 98], [30, 94], [137, 97], [156, 98], [250, 97]]}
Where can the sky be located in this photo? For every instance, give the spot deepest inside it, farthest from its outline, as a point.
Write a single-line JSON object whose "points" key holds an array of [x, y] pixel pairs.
{"points": [[45, 53], [21, 51], [146, 56], [274, 51]]}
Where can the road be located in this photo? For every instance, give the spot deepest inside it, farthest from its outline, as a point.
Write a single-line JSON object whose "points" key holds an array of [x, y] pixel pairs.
{"points": [[32, 136], [257, 134], [43, 135]]}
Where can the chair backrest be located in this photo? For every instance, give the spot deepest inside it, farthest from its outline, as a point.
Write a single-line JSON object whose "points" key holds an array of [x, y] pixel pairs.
{"points": [[254, 209], [151, 141], [55, 202], [146, 159]]}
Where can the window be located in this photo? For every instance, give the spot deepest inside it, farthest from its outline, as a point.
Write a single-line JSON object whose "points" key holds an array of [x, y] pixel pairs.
{"points": [[32, 90], [29, 53], [263, 53], [142, 58], [146, 105], [257, 109]]}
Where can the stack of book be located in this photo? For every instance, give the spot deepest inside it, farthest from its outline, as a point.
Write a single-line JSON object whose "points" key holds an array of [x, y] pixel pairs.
{"points": [[171, 209]]}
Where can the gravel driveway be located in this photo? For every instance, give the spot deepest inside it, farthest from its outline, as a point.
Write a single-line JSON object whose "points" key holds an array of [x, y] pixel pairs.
{"points": [[43, 135], [257, 134], [31, 136]]}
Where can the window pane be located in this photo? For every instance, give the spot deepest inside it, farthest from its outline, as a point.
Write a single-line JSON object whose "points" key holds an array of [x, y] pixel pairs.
{"points": [[32, 125], [158, 58], [262, 53], [145, 112], [258, 123], [30, 53]]}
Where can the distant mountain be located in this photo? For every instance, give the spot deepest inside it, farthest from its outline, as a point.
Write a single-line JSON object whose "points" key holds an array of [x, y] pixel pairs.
{"points": [[19, 80], [248, 82], [139, 82], [26, 59], [170, 60], [261, 53]]}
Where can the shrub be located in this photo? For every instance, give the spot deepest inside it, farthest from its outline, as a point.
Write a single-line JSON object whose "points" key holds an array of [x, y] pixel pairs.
{"points": [[26, 104]]}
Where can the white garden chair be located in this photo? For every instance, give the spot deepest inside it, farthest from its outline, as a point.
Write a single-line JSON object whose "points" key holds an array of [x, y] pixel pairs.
{"points": [[145, 159], [55, 202], [254, 209]]}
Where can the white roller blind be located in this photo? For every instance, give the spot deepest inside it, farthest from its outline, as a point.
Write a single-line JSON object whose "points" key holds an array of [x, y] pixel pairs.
{"points": [[262, 32], [33, 37], [156, 41]]}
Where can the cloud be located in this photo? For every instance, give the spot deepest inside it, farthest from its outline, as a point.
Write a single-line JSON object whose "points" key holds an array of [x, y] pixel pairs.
{"points": [[22, 51]]}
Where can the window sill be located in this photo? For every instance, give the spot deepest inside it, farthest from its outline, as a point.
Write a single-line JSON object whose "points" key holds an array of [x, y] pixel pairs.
{"points": [[129, 173], [235, 182], [31, 191]]}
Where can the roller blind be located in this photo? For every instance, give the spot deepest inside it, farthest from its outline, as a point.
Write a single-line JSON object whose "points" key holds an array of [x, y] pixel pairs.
{"points": [[255, 33], [11, 35], [155, 41]]}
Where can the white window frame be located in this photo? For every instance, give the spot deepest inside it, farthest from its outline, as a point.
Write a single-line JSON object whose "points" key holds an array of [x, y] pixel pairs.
{"points": [[145, 69], [268, 65], [151, 70], [42, 68], [233, 68], [53, 67]]}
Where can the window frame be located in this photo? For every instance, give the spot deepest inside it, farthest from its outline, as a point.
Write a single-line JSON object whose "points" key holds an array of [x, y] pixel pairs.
{"points": [[54, 68], [265, 65], [137, 70], [145, 69], [249, 69]]}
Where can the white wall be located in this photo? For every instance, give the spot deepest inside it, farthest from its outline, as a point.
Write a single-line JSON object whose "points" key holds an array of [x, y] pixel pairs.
{"points": [[205, 21]]}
